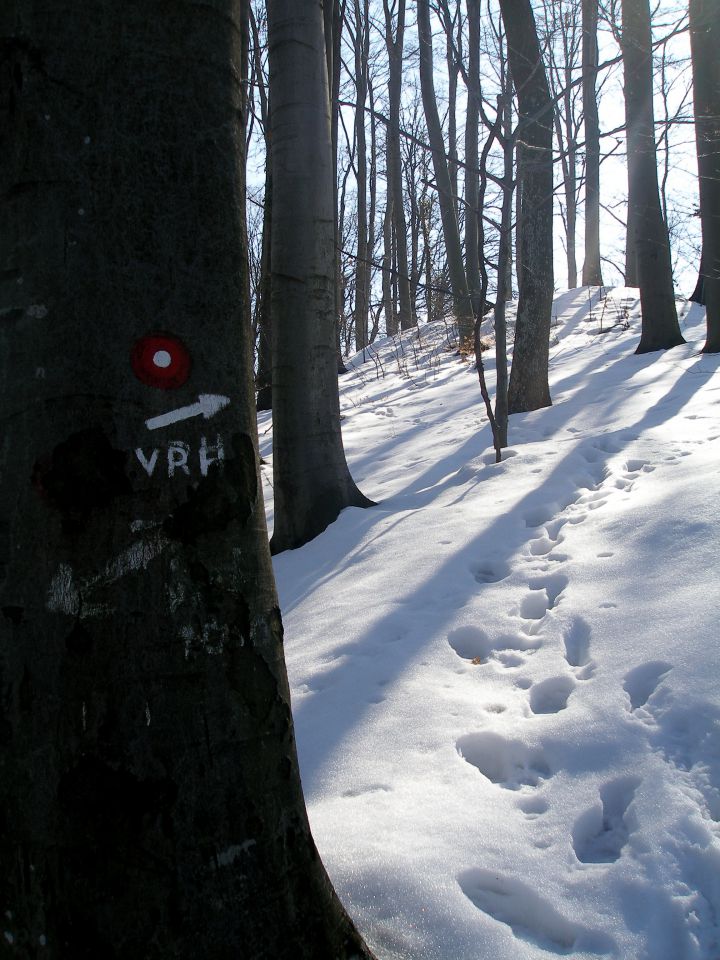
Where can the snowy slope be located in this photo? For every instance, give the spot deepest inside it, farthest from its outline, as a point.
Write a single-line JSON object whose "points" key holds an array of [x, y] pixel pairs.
{"points": [[505, 677]]}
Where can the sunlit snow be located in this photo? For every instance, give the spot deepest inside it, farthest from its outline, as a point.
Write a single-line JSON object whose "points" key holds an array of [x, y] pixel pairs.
{"points": [[505, 677]]}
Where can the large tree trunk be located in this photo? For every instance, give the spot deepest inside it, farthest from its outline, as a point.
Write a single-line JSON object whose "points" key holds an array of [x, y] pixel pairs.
{"points": [[660, 328], [311, 479], [592, 268], [149, 789], [529, 387], [451, 231], [705, 44]]}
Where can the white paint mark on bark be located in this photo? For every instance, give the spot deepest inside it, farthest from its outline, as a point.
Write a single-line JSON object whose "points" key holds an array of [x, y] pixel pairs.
{"points": [[147, 714], [229, 856], [67, 596], [37, 311], [210, 454], [207, 406], [177, 456], [211, 639], [63, 595], [148, 465], [138, 555]]}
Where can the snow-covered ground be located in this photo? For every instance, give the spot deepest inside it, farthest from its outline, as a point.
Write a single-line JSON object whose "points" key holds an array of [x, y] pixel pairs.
{"points": [[505, 677]]}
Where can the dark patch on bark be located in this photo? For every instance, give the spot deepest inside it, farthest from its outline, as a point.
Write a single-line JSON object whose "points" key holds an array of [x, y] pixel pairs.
{"points": [[110, 801], [227, 495], [83, 473], [26, 693], [78, 641], [14, 614]]}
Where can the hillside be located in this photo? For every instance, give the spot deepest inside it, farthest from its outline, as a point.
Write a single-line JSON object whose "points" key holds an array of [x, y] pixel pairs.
{"points": [[505, 677]]}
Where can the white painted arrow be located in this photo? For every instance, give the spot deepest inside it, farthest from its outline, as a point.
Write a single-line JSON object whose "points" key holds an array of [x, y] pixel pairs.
{"points": [[207, 406]]}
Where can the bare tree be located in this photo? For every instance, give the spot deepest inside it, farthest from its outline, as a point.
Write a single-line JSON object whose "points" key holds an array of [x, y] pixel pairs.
{"points": [[528, 388], [705, 44], [150, 796], [312, 482], [451, 231], [592, 267], [660, 327]]}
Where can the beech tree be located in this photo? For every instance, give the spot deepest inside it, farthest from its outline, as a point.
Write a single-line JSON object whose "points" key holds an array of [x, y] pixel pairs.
{"points": [[528, 388], [462, 303], [311, 478], [647, 234], [149, 791], [592, 268], [704, 40]]}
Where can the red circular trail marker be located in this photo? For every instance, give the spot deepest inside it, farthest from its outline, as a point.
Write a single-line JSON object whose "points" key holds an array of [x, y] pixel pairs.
{"points": [[161, 360]]}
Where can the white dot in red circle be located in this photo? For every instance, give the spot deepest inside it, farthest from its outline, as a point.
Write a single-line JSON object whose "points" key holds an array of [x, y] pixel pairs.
{"points": [[161, 360]]}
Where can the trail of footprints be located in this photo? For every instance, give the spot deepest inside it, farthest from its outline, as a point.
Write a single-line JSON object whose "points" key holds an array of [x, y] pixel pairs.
{"points": [[600, 834]]}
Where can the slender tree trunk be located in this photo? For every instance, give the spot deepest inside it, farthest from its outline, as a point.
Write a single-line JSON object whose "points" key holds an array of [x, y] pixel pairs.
{"points": [[263, 379], [529, 387], [333, 18], [451, 232], [362, 269], [149, 788], [592, 269], [395, 46], [312, 482], [503, 274], [472, 124], [391, 320], [705, 44], [660, 328]]}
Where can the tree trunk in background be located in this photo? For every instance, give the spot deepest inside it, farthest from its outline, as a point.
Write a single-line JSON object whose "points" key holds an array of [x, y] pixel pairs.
{"points": [[472, 125], [660, 328], [150, 796], [362, 267], [592, 268], [395, 46], [529, 389], [263, 377], [333, 18], [451, 231], [311, 479], [631, 261], [705, 44], [698, 294]]}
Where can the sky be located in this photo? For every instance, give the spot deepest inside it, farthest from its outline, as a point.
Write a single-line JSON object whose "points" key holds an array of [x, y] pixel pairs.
{"points": [[505, 676]]}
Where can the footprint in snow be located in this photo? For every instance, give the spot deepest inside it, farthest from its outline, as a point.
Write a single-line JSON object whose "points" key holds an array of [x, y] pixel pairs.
{"points": [[509, 763], [600, 834], [490, 571], [577, 648], [642, 682], [529, 916], [551, 695], [473, 644]]}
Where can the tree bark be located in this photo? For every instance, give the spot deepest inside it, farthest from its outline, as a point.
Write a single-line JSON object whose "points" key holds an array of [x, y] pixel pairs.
{"points": [[362, 267], [395, 46], [150, 796], [660, 327], [705, 43], [311, 478], [529, 389], [451, 231], [472, 136], [592, 268]]}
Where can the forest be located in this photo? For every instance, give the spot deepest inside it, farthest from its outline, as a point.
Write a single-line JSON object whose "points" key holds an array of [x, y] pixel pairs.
{"points": [[358, 479]]}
